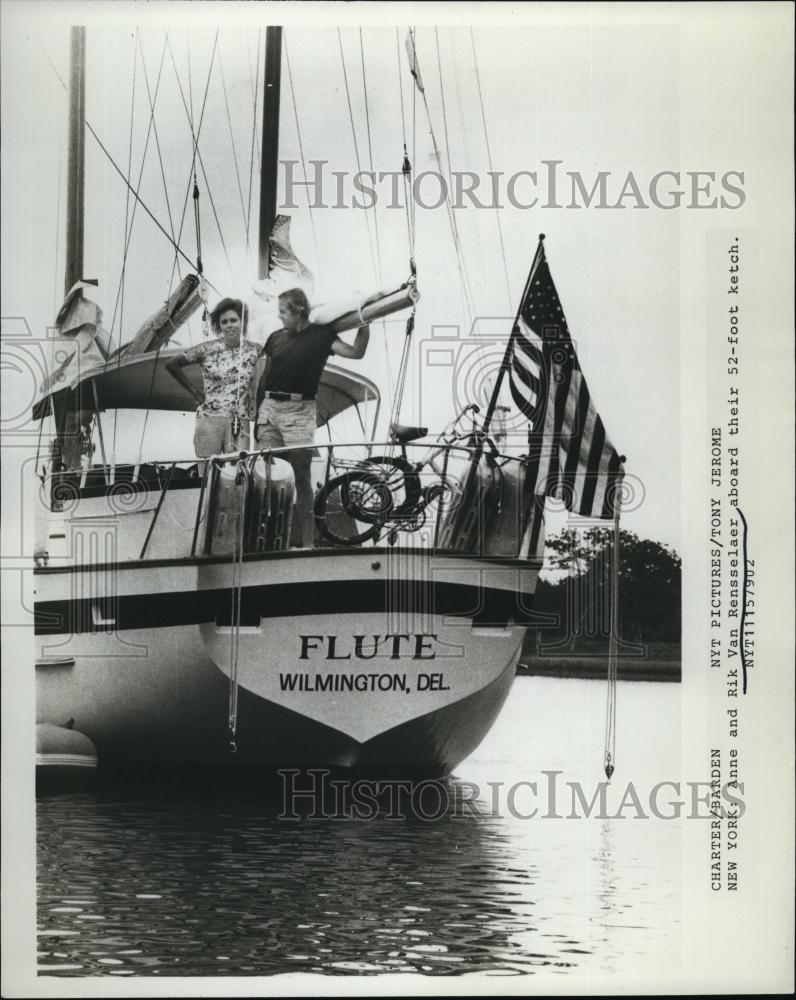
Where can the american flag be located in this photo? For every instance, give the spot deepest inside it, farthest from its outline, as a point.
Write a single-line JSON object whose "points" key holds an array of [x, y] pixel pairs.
{"points": [[571, 456]]}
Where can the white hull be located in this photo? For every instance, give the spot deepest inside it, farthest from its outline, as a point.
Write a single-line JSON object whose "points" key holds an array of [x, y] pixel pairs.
{"points": [[388, 660]]}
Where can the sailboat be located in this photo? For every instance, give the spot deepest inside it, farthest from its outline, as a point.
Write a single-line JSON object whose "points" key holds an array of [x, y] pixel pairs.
{"points": [[176, 626]]}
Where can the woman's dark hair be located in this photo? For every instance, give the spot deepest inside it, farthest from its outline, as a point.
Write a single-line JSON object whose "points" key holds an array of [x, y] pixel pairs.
{"points": [[224, 306], [296, 301]]}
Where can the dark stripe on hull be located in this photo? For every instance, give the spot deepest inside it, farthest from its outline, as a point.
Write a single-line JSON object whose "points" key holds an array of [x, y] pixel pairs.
{"points": [[286, 555], [168, 610]]}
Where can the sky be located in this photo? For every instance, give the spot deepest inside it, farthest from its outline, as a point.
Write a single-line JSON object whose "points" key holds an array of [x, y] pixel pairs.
{"points": [[587, 86]]}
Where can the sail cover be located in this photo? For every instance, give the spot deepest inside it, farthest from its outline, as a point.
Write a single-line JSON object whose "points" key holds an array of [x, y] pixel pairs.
{"points": [[82, 341], [161, 325]]}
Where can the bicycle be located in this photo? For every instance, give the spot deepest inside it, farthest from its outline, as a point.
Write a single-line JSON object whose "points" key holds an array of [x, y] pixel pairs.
{"points": [[388, 490]]}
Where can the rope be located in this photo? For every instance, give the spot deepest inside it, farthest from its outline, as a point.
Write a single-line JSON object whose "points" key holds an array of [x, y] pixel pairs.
{"points": [[407, 166], [198, 226], [610, 701], [402, 370], [489, 158], [301, 154], [236, 593]]}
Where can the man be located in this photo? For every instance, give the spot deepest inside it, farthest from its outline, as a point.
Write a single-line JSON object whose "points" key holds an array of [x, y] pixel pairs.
{"points": [[287, 415], [227, 367]]}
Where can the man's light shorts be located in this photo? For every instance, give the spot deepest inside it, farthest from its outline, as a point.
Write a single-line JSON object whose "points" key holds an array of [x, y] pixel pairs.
{"points": [[286, 424]]}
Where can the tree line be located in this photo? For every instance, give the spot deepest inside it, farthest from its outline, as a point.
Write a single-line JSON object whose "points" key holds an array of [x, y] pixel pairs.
{"points": [[576, 599]]}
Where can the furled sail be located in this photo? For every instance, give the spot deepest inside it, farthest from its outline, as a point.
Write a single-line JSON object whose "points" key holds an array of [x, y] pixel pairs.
{"points": [[348, 314], [162, 325], [82, 342]]}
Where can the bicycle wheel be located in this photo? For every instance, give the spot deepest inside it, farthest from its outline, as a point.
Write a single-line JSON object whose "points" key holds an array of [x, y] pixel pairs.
{"points": [[400, 477], [348, 500]]}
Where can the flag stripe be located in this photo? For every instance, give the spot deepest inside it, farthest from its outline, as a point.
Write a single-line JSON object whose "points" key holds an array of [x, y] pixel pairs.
{"points": [[592, 465], [577, 415], [523, 405], [570, 454]]}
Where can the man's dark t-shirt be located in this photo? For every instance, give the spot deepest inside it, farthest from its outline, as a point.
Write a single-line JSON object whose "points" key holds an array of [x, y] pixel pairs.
{"points": [[295, 361]]}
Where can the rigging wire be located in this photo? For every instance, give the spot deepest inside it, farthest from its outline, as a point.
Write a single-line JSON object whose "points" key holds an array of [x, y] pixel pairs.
{"points": [[476, 241], [382, 323], [178, 249], [198, 267], [151, 129], [491, 169], [152, 101], [460, 261], [301, 154], [456, 234], [356, 145], [253, 146], [370, 153], [254, 81], [198, 156], [129, 230], [232, 143], [127, 235]]}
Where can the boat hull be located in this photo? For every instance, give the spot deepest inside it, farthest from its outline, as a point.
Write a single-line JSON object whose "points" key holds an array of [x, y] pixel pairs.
{"points": [[341, 659]]}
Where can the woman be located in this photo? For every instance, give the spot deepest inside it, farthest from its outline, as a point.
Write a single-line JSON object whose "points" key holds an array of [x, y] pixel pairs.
{"points": [[227, 366]]}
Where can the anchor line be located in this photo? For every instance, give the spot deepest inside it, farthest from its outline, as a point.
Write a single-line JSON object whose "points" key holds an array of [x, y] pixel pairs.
{"points": [[610, 701], [236, 590]]}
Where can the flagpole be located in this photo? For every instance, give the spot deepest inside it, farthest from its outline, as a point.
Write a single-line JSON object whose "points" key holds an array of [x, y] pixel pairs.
{"points": [[504, 366], [480, 436]]}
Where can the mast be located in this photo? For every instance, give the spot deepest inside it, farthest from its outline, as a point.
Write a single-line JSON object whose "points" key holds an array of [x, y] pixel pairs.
{"points": [[76, 175], [270, 146]]}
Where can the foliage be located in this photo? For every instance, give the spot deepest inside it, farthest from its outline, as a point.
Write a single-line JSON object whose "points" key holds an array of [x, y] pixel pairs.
{"points": [[649, 586]]}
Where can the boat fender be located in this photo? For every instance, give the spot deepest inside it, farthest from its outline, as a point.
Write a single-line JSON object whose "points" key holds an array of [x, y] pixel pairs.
{"points": [[63, 754]]}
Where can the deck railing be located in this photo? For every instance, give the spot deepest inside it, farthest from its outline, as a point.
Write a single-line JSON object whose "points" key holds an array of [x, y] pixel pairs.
{"points": [[446, 497]]}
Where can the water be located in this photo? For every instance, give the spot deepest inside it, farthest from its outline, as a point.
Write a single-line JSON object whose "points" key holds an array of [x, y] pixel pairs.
{"points": [[154, 883]]}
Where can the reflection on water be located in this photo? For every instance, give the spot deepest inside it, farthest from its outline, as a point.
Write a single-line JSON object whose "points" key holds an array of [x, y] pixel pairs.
{"points": [[202, 885], [158, 883]]}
